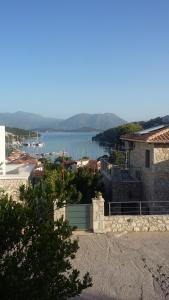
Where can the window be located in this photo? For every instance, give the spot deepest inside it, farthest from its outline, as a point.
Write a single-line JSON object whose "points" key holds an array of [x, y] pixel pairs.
{"points": [[147, 159]]}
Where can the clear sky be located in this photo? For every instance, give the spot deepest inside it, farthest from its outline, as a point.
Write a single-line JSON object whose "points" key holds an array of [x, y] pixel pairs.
{"points": [[62, 57]]}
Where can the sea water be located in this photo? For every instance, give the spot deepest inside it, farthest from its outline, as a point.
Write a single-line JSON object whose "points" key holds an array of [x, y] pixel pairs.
{"points": [[74, 144]]}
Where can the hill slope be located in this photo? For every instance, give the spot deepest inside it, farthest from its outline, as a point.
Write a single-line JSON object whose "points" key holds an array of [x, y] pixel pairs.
{"points": [[111, 136], [26, 120], [34, 121], [96, 121]]}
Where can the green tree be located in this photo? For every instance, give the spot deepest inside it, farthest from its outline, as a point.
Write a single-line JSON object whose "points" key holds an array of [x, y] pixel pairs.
{"points": [[57, 184], [117, 158], [36, 252], [87, 183], [111, 137], [129, 128]]}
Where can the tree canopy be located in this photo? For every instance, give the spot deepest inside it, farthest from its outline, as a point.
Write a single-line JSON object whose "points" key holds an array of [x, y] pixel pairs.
{"points": [[112, 136], [36, 252], [87, 183]]}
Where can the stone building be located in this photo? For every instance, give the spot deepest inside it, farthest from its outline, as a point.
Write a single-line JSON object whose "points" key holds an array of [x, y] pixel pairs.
{"points": [[148, 160], [14, 172], [122, 190]]}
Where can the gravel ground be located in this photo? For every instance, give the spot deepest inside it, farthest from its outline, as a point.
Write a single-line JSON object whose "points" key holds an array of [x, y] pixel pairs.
{"points": [[125, 266]]}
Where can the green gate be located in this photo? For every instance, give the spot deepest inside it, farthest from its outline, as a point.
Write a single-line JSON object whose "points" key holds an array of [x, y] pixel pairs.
{"points": [[79, 215]]}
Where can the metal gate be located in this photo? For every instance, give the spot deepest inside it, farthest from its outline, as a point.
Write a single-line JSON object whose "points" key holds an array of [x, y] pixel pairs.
{"points": [[79, 215]]}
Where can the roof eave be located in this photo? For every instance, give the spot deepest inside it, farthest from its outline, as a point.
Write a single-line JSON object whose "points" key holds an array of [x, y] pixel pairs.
{"points": [[133, 140], [158, 142]]}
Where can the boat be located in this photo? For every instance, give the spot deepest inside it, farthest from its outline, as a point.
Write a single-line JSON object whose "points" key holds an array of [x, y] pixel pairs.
{"points": [[36, 143], [39, 144], [26, 144]]}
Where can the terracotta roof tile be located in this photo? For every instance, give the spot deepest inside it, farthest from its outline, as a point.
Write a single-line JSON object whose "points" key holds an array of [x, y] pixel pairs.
{"points": [[156, 136]]}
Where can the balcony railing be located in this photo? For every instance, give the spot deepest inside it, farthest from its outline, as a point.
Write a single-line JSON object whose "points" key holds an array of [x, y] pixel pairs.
{"points": [[138, 208]]}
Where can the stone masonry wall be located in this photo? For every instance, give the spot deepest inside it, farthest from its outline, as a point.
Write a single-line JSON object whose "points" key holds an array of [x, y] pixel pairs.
{"points": [[156, 178], [161, 153], [136, 223], [137, 162], [125, 191], [104, 224], [11, 186], [161, 173]]}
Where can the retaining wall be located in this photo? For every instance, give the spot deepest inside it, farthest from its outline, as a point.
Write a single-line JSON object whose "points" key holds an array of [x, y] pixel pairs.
{"points": [[102, 224], [136, 223]]}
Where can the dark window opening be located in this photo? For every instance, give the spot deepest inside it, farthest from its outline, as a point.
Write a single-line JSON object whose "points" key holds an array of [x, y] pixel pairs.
{"points": [[147, 160]]}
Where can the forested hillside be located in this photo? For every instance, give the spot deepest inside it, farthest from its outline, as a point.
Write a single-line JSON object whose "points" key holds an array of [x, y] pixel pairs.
{"points": [[111, 137]]}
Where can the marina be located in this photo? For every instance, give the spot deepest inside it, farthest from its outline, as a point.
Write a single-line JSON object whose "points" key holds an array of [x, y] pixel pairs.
{"points": [[72, 144]]}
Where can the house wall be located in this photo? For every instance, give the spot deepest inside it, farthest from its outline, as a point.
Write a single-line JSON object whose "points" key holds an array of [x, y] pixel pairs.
{"points": [[2, 148], [161, 153], [137, 165], [11, 186], [161, 173], [126, 191], [156, 178]]}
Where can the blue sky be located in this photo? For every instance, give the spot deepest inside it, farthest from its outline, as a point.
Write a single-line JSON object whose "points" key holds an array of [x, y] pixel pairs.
{"points": [[62, 57]]}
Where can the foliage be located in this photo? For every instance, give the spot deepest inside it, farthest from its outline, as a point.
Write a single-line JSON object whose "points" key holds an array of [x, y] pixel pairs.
{"points": [[36, 253], [57, 183], [66, 186], [129, 128], [112, 136], [61, 159], [117, 158], [87, 183], [21, 132], [154, 122]]}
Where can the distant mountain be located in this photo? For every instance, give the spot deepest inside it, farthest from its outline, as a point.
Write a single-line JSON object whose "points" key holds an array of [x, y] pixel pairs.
{"points": [[27, 121], [96, 121], [31, 121]]}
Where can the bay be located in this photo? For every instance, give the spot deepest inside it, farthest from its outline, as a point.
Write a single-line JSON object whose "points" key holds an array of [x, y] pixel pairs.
{"points": [[74, 144]]}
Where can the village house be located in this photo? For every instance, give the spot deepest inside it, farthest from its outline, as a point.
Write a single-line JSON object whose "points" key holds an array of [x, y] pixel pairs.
{"points": [[148, 161], [15, 171], [92, 164]]}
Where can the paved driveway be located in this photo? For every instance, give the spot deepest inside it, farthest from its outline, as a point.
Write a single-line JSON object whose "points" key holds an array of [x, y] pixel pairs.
{"points": [[131, 266]]}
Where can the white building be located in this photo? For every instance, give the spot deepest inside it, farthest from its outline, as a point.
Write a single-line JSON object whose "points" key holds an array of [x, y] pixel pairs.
{"points": [[12, 176]]}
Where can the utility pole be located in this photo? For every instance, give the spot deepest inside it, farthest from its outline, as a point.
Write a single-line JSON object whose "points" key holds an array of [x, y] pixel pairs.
{"points": [[63, 166]]}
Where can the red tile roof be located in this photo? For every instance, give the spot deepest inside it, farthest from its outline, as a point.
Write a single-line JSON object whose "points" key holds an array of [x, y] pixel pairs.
{"points": [[156, 136], [18, 157], [93, 164]]}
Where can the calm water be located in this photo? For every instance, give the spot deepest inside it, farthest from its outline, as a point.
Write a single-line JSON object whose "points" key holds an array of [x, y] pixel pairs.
{"points": [[76, 144]]}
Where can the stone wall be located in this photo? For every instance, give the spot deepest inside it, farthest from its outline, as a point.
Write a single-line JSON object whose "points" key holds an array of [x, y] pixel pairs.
{"points": [[156, 178], [161, 173], [136, 223], [59, 213], [103, 224], [161, 153], [11, 186], [125, 191], [137, 164], [98, 214]]}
